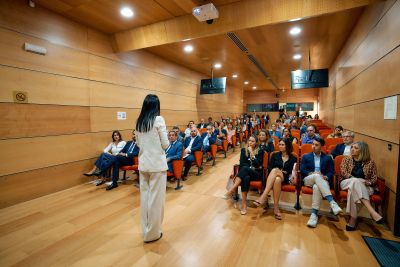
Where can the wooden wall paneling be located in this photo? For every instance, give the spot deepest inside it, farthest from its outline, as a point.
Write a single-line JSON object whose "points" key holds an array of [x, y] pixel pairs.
{"points": [[32, 153], [391, 207], [368, 20], [385, 160], [29, 120], [173, 117], [365, 114], [43, 88], [17, 15], [345, 117], [105, 119], [160, 82], [58, 60], [345, 97], [118, 73], [100, 44], [380, 40], [383, 75], [20, 187]]}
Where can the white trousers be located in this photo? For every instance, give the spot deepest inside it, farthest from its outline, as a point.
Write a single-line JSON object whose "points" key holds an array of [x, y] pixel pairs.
{"points": [[356, 190], [152, 200], [320, 188]]}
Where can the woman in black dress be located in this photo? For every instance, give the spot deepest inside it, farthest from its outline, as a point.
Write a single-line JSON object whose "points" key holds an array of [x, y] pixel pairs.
{"points": [[250, 169], [280, 167]]}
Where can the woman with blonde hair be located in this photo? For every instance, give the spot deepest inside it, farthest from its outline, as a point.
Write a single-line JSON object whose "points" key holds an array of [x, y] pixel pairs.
{"points": [[358, 176], [250, 169]]}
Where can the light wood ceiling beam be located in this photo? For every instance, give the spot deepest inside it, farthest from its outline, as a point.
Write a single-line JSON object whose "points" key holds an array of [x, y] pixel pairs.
{"points": [[232, 17], [186, 5]]}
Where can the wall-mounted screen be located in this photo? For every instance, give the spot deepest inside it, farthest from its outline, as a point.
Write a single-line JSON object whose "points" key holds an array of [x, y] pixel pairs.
{"points": [[213, 86]]}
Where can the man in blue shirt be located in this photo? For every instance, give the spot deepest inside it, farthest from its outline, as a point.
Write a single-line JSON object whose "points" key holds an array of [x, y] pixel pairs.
{"points": [[317, 170], [310, 135], [174, 150]]}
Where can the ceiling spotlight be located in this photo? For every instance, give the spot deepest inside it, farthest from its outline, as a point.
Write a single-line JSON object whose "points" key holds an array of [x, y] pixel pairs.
{"points": [[126, 12], [246, 82], [217, 65], [296, 19], [234, 76], [188, 48], [297, 56], [295, 31], [254, 87]]}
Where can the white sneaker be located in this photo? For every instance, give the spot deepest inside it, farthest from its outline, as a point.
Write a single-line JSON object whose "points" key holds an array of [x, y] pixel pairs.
{"points": [[335, 208], [313, 221]]}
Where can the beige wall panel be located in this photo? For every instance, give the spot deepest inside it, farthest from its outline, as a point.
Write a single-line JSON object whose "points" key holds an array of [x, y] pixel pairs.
{"points": [[378, 81], [345, 97], [105, 119], [110, 95], [17, 15], [106, 70], [327, 99], [163, 83], [381, 39], [345, 117], [367, 21], [18, 155], [99, 44], [25, 186], [386, 160], [29, 120], [43, 88], [178, 117], [58, 60], [366, 114]]}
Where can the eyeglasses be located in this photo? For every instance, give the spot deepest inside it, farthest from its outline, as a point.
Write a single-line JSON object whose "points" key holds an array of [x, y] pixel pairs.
{"points": [[345, 136]]}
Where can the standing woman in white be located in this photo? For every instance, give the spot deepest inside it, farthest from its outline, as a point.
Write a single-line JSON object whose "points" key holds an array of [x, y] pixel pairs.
{"points": [[151, 135]]}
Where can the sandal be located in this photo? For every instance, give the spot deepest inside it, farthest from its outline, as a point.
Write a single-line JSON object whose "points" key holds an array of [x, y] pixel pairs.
{"points": [[278, 216], [258, 203], [243, 211]]}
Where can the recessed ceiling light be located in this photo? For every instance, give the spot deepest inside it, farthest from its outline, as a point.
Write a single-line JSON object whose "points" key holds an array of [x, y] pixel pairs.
{"points": [[297, 56], [296, 19], [234, 76], [217, 65], [126, 12], [246, 82], [295, 31], [254, 87], [188, 48]]}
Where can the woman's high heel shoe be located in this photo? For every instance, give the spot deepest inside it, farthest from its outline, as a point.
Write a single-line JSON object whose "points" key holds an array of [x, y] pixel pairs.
{"points": [[350, 228]]}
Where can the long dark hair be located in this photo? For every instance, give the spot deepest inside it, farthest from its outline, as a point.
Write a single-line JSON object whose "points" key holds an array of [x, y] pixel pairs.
{"points": [[288, 145], [119, 134], [150, 110]]}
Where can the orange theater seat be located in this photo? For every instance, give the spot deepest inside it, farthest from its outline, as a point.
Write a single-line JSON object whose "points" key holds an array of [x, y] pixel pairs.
{"points": [[177, 168], [198, 160], [333, 141], [305, 149], [223, 147], [133, 167]]}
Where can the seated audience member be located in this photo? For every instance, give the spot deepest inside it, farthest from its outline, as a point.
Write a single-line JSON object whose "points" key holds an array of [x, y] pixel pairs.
{"points": [[251, 159], [279, 125], [107, 158], [192, 143], [274, 131], [124, 158], [316, 117], [221, 132], [303, 129], [210, 120], [293, 124], [202, 124], [230, 132], [265, 142], [358, 176], [209, 138], [337, 133], [189, 127], [280, 166], [310, 136], [287, 134], [317, 172], [345, 147], [180, 136], [174, 150]]}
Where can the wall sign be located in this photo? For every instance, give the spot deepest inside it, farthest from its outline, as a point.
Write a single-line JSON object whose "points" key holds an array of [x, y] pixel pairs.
{"points": [[121, 115], [390, 108]]}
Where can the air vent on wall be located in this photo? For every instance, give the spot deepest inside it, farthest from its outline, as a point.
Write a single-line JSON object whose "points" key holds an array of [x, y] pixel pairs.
{"points": [[242, 47]]}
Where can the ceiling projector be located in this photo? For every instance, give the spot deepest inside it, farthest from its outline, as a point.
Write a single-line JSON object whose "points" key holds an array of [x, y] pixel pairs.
{"points": [[206, 13]]}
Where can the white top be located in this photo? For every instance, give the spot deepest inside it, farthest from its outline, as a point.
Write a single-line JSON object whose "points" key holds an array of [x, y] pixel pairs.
{"points": [[346, 151], [115, 149], [152, 147]]}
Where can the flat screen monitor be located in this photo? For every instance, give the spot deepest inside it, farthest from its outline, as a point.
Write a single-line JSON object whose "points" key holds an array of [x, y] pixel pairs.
{"points": [[310, 78], [213, 86]]}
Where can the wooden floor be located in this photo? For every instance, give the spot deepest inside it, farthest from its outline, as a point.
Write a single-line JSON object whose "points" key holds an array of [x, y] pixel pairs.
{"points": [[87, 226]]}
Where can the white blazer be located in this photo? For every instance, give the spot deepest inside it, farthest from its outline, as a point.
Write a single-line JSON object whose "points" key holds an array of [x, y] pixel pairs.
{"points": [[152, 147]]}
